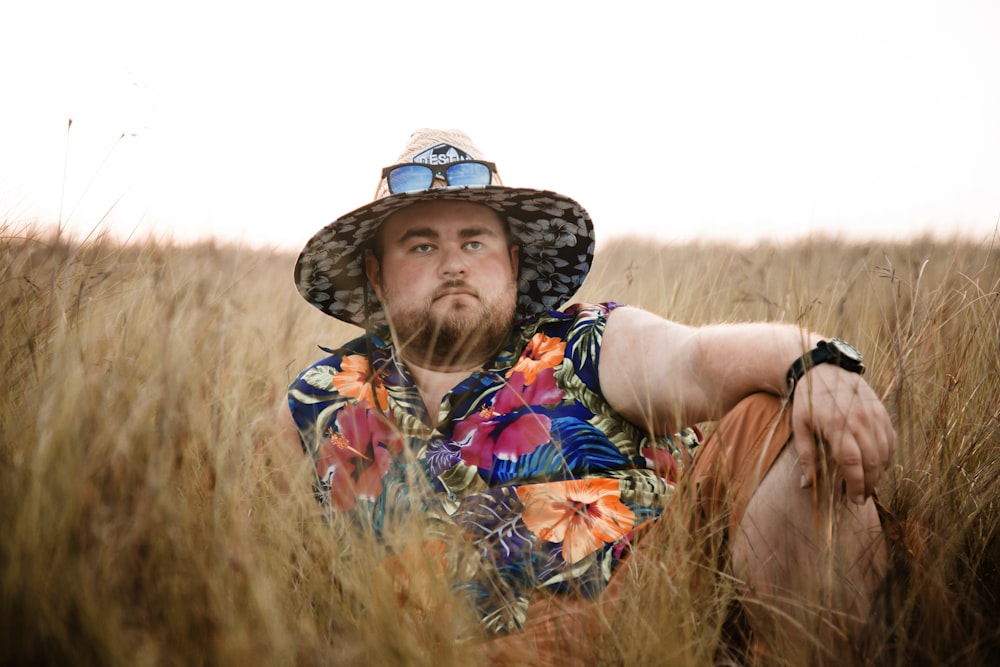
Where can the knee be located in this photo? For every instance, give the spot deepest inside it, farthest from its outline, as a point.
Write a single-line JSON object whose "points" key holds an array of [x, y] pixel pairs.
{"points": [[791, 536]]}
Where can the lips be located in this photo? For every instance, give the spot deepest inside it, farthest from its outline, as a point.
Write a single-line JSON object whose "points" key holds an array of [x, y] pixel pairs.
{"points": [[450, 290]]}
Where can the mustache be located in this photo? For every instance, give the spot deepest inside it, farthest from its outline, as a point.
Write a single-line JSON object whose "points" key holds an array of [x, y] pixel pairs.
{"points": [[454, 285]]}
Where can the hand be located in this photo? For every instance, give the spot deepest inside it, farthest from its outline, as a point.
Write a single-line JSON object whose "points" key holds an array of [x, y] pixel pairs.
{"points": [[838, 408]]}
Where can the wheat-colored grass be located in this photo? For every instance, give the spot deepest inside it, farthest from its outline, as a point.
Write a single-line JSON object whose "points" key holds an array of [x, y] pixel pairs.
{"points": [[151, 512]]}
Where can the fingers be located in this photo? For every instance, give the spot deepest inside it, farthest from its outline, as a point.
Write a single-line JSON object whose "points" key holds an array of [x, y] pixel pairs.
{"points": [[855, 469], [861, 452], [845, 414], [885, 438], [868, 445]]}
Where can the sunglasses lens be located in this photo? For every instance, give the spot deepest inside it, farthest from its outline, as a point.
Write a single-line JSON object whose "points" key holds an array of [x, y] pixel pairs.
{"points": [[410, 177], [468, 173]]}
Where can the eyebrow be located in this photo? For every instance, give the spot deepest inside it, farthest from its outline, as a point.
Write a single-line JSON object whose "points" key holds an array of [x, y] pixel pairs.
{"points": [[430, 233]]}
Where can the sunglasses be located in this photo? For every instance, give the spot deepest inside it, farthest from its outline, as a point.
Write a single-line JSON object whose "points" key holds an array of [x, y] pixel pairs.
{"points": [[413, 176]]}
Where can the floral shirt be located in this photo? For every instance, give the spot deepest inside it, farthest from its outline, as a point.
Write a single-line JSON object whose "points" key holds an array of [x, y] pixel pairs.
{"points": [[527, 458]]}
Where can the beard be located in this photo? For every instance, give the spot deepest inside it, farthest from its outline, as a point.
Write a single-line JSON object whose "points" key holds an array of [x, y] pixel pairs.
{"points": [[455, 335]]}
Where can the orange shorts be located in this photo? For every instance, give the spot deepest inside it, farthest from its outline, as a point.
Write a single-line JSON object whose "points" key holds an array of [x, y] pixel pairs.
{"points": [[727, 469], [736, 456]]}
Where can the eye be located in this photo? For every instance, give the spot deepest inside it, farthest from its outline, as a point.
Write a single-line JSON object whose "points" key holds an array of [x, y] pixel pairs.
{"points": [[475, 245], [422, 248]]}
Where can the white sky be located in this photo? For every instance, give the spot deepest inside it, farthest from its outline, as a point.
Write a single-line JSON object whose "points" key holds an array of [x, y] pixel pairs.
{"points": [[261, 122]]}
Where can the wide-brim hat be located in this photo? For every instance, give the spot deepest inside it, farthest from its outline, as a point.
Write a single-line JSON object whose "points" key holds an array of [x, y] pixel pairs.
{"points": [[554, 232]]}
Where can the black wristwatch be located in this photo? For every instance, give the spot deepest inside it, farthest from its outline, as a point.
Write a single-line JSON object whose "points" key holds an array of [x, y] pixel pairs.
{"points": [[833, 351]]}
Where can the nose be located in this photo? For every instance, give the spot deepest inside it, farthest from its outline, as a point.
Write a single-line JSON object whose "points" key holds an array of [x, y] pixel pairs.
{"points": [[454, 262]]}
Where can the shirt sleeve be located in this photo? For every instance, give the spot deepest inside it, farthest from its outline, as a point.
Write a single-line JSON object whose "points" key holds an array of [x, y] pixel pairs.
{"points": [[309, 397], [583, 340], [315, 396]]}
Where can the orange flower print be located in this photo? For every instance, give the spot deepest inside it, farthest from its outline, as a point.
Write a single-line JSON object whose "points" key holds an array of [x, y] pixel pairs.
{"points": [[542, 352], [354, 380], [582, 514]]}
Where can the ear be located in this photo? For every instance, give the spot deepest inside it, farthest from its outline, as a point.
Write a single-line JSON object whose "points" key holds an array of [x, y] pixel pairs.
{"points": [[373, 271], [515, 259]]}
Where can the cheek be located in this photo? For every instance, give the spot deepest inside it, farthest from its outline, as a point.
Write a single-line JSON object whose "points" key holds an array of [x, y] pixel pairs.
{"points": [[499, 280], [504, 270], [402, 278]]}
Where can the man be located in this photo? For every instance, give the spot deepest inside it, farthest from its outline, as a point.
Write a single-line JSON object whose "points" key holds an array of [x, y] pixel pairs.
{"points": [[543, 434]]}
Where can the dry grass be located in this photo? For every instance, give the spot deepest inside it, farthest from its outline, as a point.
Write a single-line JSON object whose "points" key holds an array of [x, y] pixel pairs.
{"points": [[152, 515]]}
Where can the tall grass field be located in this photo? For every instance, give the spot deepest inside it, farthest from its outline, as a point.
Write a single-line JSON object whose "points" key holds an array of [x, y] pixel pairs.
{"points": [[153, 511]]}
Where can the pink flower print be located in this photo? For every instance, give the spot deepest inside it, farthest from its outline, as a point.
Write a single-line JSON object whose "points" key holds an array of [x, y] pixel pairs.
{"points": [[509, 428], [355, 456], [661, 461]]}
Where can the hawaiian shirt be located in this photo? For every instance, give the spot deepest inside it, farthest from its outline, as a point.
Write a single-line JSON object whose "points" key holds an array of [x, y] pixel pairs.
{"points": [[527, 457]]}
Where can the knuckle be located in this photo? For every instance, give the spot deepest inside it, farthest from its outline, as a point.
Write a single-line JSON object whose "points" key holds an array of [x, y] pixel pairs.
{"points": [[850, 460]]}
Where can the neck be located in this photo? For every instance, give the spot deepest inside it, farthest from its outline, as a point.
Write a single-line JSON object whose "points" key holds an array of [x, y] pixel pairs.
{"points": [[429, 364], [434, 381]]}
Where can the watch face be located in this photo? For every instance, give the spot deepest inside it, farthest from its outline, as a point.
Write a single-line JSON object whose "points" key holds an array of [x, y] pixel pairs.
{"points": [[846, 350]]}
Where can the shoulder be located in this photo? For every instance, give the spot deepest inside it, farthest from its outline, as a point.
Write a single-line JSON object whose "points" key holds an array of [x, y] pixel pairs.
{"points": [[578, 319], [343, 373], [574, 334], [592, 313], [574, 316], [334, 359], [591, 310], [344, 378]]}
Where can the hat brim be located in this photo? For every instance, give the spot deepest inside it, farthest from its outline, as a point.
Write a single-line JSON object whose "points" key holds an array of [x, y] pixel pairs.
{"points": [[555, 235]]}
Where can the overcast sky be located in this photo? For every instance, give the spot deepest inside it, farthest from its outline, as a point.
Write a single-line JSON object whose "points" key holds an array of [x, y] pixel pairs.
{"points": [[261, 122]]}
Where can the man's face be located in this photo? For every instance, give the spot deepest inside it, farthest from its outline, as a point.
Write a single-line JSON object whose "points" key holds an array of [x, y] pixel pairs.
{"points": [[447, 280]]}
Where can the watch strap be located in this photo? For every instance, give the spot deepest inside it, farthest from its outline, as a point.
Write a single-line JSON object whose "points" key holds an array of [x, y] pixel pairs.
{"points": [[825, 352]]}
